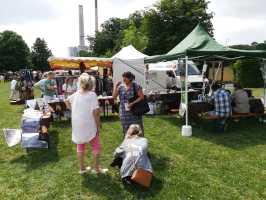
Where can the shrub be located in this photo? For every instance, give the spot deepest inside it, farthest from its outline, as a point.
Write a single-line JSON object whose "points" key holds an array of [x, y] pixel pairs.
{"points": [[247, 73]]}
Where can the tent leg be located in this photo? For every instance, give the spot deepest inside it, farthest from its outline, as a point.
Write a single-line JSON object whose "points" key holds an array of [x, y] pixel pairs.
{"points": [[222, 73], [186, 130]]}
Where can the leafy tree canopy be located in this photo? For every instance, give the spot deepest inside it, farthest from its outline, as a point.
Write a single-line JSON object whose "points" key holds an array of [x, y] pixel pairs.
{"points": [[40, 54], [14, 52], [154, 31]]}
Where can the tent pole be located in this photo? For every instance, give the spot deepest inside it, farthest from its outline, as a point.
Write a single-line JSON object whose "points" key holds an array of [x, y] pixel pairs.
{"points": [[186, 91], [186, 130], [213, 70], [222, 72]]}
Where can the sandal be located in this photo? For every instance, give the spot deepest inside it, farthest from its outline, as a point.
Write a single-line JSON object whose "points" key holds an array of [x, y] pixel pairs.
{"points": [[99, 171], [83, 171]]}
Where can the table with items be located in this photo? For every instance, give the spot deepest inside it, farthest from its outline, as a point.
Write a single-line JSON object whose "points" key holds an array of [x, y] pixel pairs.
{"points": [[34, 126]]}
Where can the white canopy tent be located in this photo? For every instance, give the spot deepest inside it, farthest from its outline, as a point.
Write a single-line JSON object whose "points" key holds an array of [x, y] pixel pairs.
{"points": [[129, 59]]}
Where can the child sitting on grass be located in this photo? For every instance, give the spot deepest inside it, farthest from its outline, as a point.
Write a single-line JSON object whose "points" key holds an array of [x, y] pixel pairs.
{"points": [[86, 122]]}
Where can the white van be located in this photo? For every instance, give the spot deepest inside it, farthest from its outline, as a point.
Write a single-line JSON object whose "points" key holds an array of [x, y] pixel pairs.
{"points": [[158, 76]]}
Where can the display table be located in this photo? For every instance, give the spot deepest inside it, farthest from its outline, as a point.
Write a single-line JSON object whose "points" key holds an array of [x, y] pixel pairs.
{"points": [[35, 125], [171, 101], [105, 102]]}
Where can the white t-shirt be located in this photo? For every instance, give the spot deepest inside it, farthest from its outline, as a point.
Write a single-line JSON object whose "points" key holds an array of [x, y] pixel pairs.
{"points": [[13, 85], [83, 123]]}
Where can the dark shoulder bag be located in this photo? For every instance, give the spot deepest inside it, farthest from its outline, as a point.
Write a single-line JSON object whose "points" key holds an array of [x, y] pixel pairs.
{"points": [[141, 107]]}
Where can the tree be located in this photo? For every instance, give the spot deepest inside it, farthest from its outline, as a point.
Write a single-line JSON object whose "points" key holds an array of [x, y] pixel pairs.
{"points": [[14, 52], [247, 72], [39, 55], [133, 36], [110, 38], [157, 30], [170, 21], [83, 53]]}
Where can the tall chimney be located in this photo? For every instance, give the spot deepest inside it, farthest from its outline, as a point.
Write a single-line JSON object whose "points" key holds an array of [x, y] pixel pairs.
{"points": [[81, 27], [96, 16]]}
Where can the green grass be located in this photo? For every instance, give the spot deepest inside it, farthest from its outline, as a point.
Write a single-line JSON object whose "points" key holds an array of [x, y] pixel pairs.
{"points": [[206, 166]]}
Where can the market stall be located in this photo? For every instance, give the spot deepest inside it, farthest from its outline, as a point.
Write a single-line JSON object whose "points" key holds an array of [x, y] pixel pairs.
{"points": [[93, 66], [68, 63], [199, 45]]}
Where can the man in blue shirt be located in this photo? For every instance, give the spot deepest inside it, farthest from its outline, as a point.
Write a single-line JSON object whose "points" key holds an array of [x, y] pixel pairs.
{"points": [[222, 105]]}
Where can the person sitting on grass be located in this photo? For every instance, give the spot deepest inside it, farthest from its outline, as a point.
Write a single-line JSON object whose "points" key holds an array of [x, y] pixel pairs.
{"points": [[85, 114], [132, 154], [240, 100], [222, 106]]}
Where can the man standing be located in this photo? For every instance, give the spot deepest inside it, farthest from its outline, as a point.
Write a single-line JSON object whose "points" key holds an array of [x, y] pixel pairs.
{"points": [[41, 84], [49, 87]]}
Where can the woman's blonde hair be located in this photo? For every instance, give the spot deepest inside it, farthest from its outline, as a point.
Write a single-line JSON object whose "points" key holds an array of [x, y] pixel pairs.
{"points": [[134, 130], [87, 82]]}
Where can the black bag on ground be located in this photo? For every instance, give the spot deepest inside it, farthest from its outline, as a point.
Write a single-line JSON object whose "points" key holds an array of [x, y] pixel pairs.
{"points": [[141, 107]]}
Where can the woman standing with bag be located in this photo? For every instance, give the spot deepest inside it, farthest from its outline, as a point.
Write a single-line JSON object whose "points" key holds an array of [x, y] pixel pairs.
{"points": [[127, 91]]}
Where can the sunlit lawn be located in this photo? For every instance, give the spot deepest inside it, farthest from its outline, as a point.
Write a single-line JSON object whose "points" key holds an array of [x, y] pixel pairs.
{"points": [[206, 166]]}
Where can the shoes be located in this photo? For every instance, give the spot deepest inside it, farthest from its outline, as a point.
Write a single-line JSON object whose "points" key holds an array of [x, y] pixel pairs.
{"points": [[100, 171], [83, 171]]}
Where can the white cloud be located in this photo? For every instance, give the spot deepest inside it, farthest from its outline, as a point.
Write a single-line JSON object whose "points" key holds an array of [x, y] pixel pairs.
{"points": [[239, 21], [59, 26], [23, 11]]}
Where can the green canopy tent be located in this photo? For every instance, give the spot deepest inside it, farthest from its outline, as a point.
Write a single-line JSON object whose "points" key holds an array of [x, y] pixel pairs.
{"points": [[200, 45]]}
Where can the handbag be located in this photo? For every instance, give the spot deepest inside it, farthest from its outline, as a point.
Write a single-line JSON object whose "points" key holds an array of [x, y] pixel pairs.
{"points": [[142, 177], [141, 107]]}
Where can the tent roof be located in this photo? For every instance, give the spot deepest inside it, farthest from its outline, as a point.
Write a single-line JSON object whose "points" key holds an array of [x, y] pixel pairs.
{"points": [[199, 43], [129, 53], [73, 62]]}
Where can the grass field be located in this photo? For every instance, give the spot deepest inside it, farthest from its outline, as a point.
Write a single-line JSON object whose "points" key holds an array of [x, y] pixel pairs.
{"points": [[207, 166]]}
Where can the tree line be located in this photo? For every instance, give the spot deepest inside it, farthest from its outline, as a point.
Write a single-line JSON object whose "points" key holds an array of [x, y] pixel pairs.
{"points": [[153, 31], [15, 53]]}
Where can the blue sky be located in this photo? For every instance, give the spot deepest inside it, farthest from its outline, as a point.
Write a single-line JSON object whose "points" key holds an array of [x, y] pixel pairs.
{"points": [[235, 21]]}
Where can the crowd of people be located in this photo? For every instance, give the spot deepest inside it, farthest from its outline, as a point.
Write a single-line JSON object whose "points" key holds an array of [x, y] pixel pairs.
{"points": [[21, 87], [82, 101], [86, 126]]}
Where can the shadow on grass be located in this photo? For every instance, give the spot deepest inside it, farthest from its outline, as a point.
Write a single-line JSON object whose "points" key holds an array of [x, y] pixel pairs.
{"points": [[111, 118], [62, 124], [239, 135], [112, 187], [37, 158]]}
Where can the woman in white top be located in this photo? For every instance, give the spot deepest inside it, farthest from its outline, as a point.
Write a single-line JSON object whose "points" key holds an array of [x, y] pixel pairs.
{"points": [[86, 122]]}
